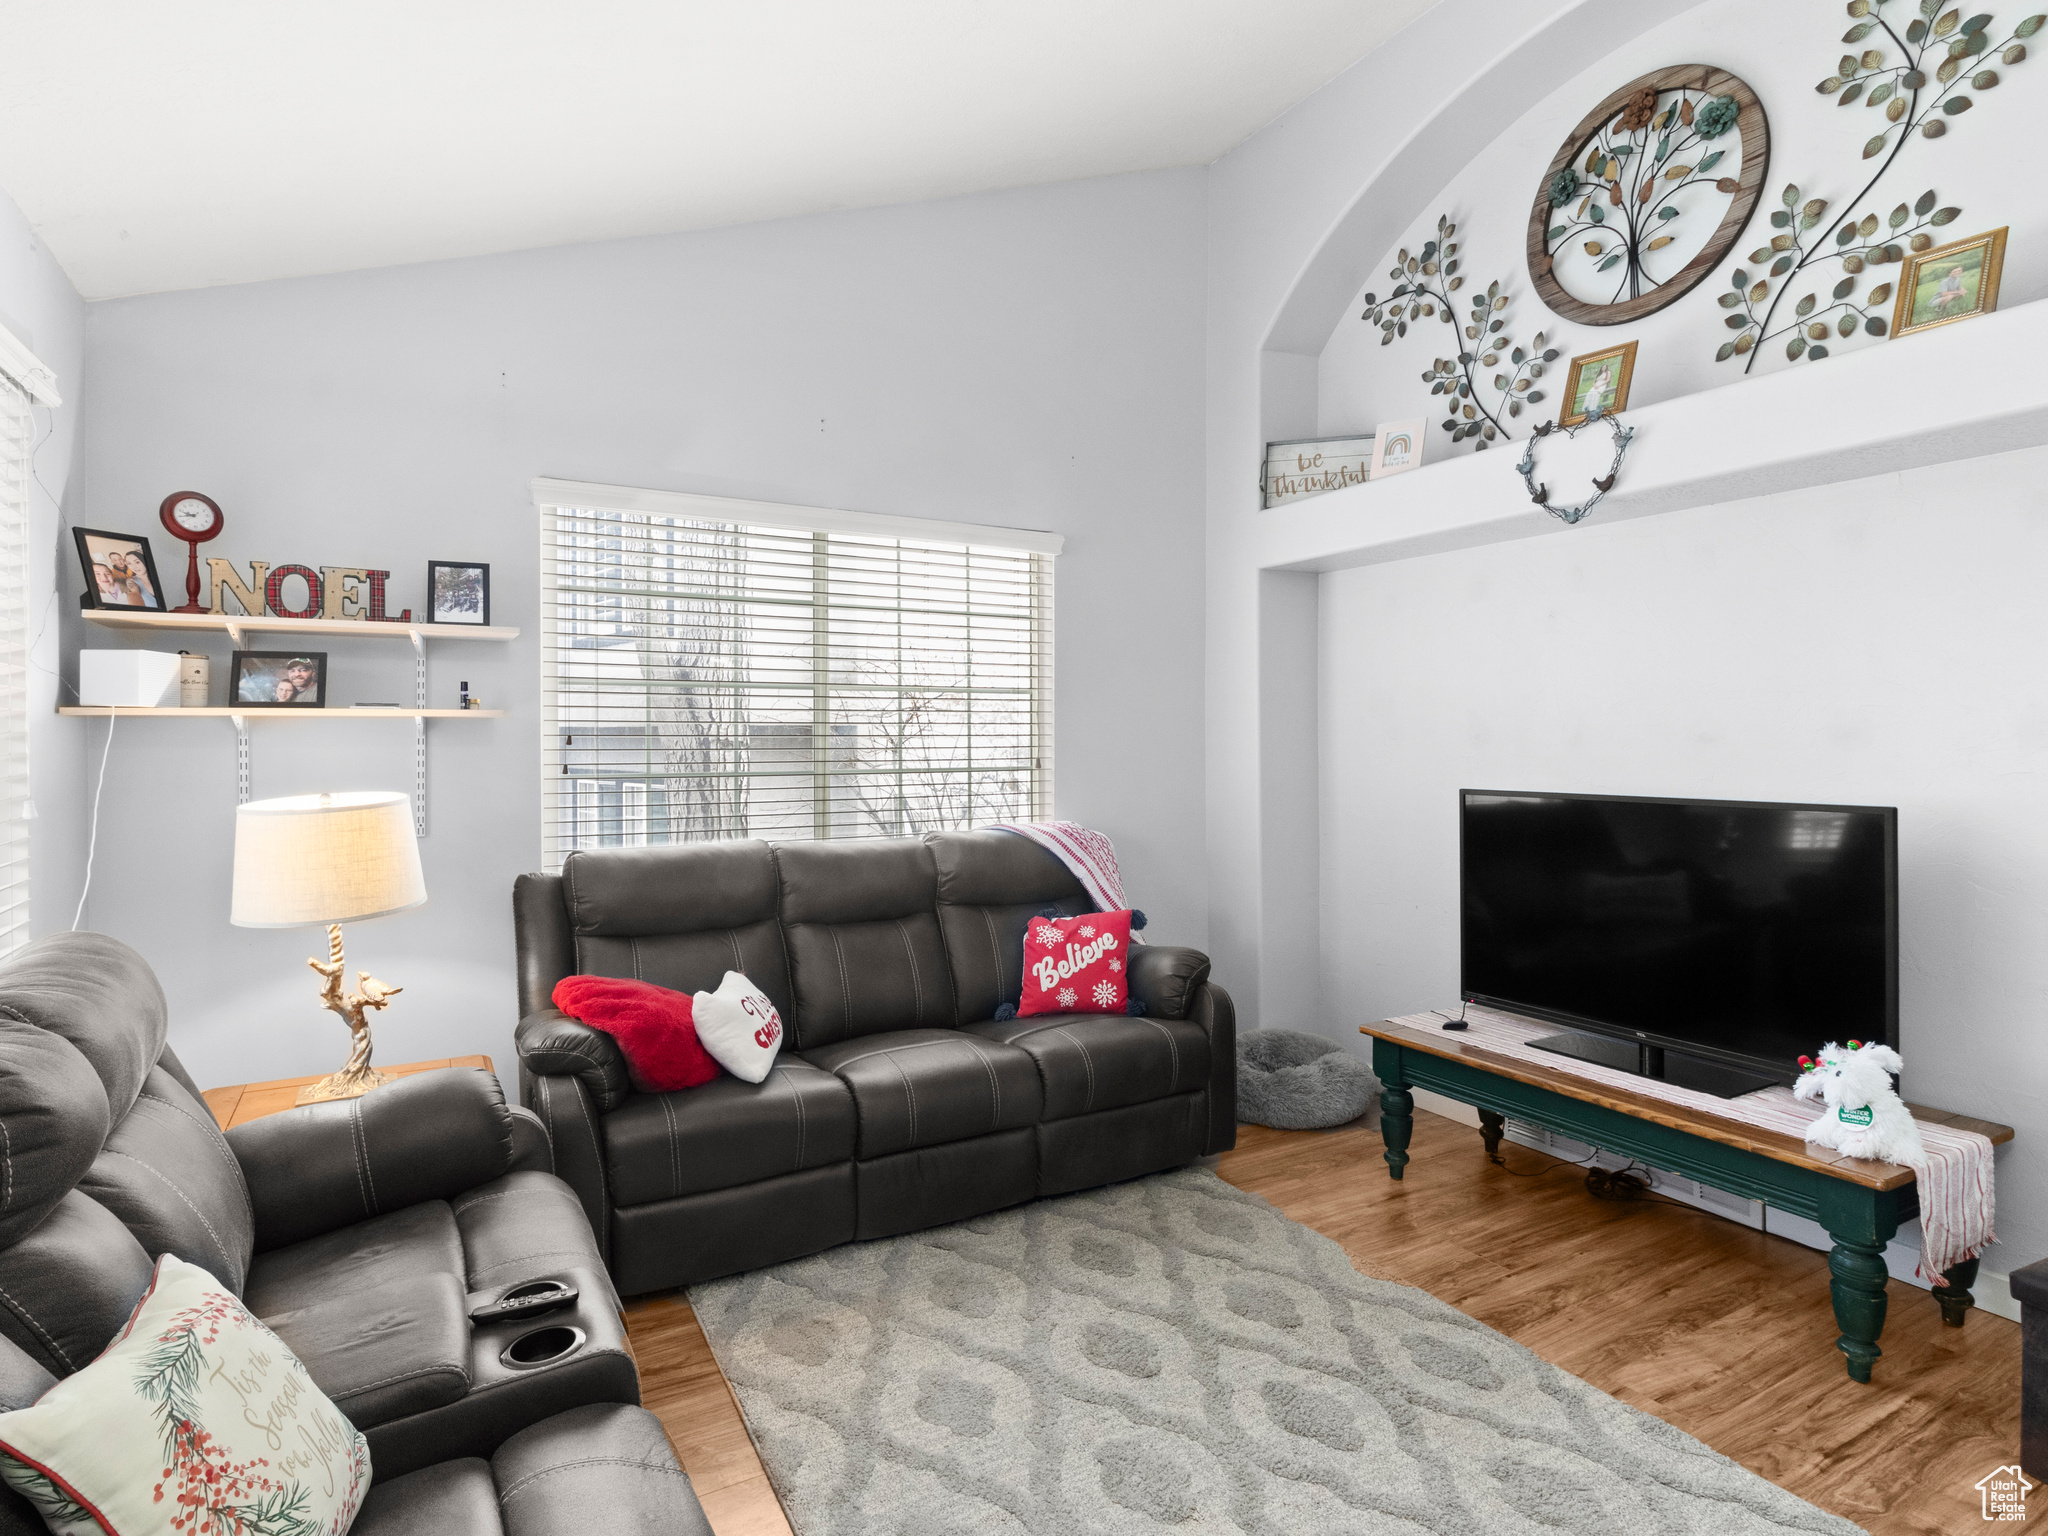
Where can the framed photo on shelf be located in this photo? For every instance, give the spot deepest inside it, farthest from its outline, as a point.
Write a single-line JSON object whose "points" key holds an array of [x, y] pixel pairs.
{"points": [[120, 572], [1949, 283], [1397, 447], [1598, 381], [458, 593], [278, 679]]}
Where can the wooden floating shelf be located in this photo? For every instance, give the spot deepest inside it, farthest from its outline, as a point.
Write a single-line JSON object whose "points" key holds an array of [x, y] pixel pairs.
{"points": [[236, 623], [260, 712]]}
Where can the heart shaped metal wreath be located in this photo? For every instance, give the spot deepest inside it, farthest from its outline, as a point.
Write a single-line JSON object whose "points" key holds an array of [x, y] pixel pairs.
{"points": [[1540, 494]]}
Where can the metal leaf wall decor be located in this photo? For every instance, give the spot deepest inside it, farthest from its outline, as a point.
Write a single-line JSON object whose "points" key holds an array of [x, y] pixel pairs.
{"points": [[1477, 409], [1919, 81]]}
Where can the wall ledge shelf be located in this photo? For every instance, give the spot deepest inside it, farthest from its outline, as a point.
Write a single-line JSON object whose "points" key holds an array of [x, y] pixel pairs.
{"points": [[238, 624], [229, 712], [1878, 410]]}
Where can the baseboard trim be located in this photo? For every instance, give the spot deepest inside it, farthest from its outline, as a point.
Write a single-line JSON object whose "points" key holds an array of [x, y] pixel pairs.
{"points": [[1450, 1109]]}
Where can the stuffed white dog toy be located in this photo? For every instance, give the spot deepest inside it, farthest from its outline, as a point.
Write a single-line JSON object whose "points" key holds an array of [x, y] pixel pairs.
{"points": [[1864, 1117]]}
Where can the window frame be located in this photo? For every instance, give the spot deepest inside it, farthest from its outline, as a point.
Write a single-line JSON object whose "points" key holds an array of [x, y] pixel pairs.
{"points": [[563, 786], [18, 399]]}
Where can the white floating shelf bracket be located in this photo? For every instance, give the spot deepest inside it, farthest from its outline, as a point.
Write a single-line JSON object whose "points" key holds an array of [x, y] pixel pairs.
{"points": [[419, 732], [241, 725]]}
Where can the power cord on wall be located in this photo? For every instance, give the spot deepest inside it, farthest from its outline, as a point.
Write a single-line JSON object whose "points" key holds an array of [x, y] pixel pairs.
{"points": [[93, 842]]}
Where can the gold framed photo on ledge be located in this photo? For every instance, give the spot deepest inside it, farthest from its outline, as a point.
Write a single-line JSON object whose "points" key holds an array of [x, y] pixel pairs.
{"points": [[1949, 283], [1598, 381]]}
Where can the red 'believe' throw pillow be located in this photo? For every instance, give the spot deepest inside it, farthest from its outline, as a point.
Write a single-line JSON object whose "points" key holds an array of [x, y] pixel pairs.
{"points": [[1076, 964], [653, 1026]]}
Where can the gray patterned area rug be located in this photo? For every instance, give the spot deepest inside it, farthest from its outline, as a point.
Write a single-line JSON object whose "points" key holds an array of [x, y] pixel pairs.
{"points": [[1174, 1354]]}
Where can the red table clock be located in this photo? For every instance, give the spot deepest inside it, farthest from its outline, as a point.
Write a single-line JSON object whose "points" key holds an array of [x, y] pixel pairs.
{"points": [[195, 519]]}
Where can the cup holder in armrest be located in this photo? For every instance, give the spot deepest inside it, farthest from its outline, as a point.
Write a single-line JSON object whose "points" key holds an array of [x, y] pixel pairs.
{"points": [[541, 1347]]}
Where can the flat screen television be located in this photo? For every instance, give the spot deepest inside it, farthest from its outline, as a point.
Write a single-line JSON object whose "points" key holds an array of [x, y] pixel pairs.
{"points": [[1709, 942]]}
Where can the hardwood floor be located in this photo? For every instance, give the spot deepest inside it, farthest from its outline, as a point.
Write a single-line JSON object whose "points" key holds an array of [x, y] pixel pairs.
{"points": [[1724, 1332], [680, 1384]]}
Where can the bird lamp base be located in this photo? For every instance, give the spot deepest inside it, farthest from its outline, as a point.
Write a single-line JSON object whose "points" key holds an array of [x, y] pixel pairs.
{"points": [[341, 1085]]}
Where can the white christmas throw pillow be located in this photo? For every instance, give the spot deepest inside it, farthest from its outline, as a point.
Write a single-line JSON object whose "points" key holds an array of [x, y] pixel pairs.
{"points": [[739, 1027], [195, 1419]]}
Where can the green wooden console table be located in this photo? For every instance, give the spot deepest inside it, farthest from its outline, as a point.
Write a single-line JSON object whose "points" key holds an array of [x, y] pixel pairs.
{"points": [[1861, 1204]]}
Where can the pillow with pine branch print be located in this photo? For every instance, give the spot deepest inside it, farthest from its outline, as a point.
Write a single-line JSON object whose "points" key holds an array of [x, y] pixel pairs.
{"points": [[195, 1421]]}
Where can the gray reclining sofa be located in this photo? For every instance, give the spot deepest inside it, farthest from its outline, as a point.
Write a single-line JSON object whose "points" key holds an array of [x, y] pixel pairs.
{"points": [[899, 1100]]}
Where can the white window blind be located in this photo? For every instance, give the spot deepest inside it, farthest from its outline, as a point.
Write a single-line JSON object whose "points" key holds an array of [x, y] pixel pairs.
{"points": [[704, 675], [17, 436]]}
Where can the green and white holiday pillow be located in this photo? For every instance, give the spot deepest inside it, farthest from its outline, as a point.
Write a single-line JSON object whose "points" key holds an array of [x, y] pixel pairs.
{"points": [[195, 1421]]}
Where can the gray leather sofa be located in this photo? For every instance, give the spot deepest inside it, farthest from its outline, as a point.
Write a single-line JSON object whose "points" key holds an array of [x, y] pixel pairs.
{"points": [[899, 1101], [363, 1233]]}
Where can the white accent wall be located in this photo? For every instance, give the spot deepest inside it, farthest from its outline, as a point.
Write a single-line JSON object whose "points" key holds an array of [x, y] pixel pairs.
{"points": [[1868, 633], [1873, 642], [1030, 359]]}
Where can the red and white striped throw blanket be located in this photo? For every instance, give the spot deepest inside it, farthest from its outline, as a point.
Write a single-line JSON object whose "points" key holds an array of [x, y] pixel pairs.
{"points": [[1090, 855], [1956, 1196]]}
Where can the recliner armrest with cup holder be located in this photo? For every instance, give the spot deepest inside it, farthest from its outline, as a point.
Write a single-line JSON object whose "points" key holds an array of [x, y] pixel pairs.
{"points": [[365, 1233]]}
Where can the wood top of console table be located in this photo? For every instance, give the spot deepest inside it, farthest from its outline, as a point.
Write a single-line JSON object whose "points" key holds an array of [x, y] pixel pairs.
{"points": [[1680, 1117], [239, 1103]]}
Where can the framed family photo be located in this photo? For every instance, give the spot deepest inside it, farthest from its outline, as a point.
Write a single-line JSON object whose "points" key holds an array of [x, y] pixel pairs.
{"points": [[120, 572], [1599, 383], [458, 593], [1950, 283], [278, 679]]}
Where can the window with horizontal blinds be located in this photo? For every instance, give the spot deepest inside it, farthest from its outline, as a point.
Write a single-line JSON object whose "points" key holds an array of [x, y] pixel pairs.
{"points": [[17, 437], [705, 679]]}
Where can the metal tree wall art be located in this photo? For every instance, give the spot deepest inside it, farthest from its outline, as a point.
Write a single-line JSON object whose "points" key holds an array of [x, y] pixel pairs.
{"points": [[1912, 98], [1648, 194], [1423, 285]]}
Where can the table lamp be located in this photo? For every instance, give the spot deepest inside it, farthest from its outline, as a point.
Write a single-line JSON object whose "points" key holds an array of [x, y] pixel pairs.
{"points": [[305, 860]]}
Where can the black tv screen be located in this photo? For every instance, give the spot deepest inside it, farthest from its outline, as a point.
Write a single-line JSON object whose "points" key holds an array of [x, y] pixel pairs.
{"points": [[1738, 932]]}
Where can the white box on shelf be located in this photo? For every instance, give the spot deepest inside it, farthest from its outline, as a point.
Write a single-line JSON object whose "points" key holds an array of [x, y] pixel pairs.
{"points": [[145, 678]]}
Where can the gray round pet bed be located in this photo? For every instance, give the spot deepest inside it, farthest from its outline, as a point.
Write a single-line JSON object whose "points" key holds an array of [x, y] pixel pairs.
{"points": [[1295, 1081]]}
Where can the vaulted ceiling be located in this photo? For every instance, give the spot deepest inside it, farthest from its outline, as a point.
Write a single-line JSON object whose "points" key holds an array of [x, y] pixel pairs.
{"points": [[157, 146]]}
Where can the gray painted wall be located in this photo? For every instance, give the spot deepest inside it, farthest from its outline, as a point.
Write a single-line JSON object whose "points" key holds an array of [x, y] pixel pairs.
{"points": [[1029, 359]]}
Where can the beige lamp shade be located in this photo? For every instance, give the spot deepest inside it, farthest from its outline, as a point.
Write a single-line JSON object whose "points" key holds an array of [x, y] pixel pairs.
{"points": [[311, 859]]}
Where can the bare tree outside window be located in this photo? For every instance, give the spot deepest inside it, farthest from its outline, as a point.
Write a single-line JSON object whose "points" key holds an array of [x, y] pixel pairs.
{"points": [[695, 664], [709, 680]]}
